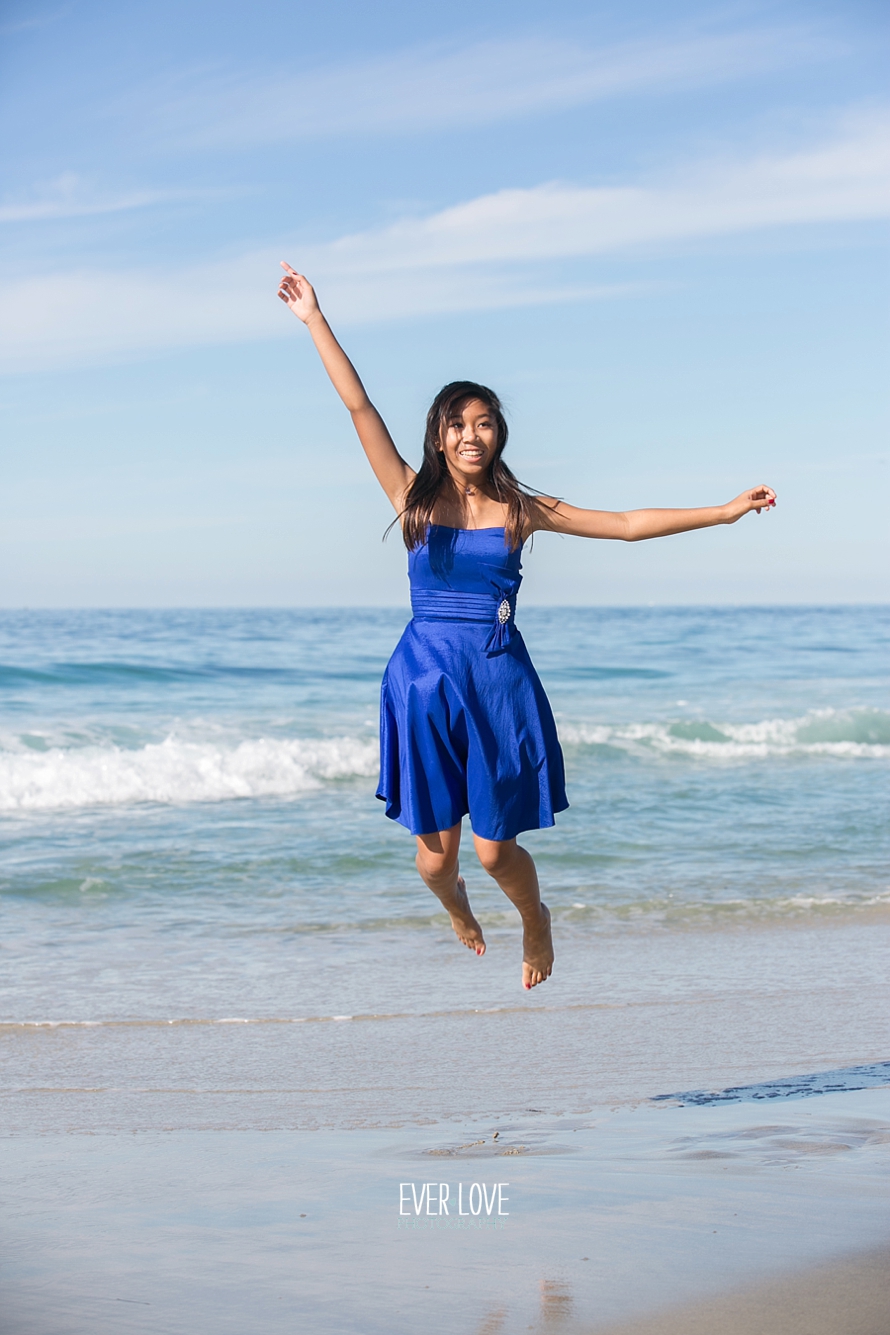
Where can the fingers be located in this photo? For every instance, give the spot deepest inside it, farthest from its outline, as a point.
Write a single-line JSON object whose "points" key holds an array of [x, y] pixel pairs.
{"points": [[289, 289], [290, 283], [765, 495], [297, 293]]}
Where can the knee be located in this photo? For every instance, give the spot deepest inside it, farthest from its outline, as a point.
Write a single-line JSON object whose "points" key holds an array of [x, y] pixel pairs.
{"points": [[433, 864], [496, 857]]}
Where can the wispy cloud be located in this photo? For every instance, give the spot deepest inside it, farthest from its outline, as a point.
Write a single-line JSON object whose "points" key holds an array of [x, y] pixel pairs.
{"points": [[486, 253], [69, 196], [86, 317], [433, 88], [847, 177]]}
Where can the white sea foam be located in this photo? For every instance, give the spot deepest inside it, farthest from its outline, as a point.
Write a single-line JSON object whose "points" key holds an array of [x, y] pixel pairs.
{"points": [[852, 734], [175, 771], [185, 769]]}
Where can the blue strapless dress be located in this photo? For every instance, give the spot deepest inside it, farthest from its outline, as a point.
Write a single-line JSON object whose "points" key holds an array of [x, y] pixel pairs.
{"points": [[465, 726]]}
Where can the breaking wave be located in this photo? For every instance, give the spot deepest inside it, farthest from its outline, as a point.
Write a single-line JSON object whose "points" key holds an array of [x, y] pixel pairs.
{"points": [[179, 770], [175, 772], [850, 733]]}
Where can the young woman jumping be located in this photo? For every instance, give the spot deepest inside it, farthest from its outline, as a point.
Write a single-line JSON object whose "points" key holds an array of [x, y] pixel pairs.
{"points": [[465, 726]]}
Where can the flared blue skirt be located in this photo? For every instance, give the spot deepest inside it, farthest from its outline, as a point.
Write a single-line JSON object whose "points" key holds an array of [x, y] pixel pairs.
{"points": [[464, 731]]}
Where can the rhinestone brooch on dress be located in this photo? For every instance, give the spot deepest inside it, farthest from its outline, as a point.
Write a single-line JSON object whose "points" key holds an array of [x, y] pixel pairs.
{"points": [[504, 613]]}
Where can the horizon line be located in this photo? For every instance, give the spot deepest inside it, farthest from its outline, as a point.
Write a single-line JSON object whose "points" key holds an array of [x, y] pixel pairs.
{"points": [[399, 607]]}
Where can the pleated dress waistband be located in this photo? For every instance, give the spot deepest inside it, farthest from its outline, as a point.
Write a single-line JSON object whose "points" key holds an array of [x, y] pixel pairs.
{"points": [[494, 610], [453, 605]]}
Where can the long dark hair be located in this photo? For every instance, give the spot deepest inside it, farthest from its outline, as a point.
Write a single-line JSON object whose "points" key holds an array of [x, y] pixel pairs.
{"points": [[433, 477]]}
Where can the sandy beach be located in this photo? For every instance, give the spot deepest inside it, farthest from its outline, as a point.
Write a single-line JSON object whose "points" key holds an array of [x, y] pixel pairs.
{"points": [[852, 1296], [738, 1218], [227, 1177]]}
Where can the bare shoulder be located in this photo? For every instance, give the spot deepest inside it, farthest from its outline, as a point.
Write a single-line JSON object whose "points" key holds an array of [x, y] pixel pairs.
{"points": [[546, 512], [399, 497]]}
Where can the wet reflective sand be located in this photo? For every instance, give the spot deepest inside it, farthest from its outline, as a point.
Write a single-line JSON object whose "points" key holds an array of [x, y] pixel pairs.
{"points": [[618, 1216]]}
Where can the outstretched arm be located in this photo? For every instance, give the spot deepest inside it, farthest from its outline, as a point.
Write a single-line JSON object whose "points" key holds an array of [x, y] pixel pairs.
{"points": [[393, 473], [635, 525]]}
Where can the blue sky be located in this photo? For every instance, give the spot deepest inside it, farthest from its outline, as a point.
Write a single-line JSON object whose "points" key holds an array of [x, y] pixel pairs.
{"points": [[659, 231]]}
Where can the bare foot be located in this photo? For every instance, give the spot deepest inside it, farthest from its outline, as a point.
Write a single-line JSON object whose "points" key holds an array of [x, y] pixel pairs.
{"points": [[465, 925], [537, 950]]}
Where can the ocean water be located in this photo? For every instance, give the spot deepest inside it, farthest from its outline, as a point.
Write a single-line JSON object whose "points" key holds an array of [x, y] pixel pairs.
{"points": [[190, 840]]}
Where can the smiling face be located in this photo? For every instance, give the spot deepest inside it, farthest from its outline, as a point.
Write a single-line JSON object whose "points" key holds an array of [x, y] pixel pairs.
{"points": [[469, 442]]}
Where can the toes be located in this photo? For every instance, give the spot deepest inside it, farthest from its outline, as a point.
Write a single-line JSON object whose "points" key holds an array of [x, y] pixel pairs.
{"points": [[532, 977]]}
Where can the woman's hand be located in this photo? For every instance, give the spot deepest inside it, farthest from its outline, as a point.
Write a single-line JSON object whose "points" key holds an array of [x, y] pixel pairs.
{"points": [[759, 498], [298, 293]]}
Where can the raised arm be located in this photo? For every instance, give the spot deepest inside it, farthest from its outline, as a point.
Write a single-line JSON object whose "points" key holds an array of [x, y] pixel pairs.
{"points": [[635, 525], [392, 472]]}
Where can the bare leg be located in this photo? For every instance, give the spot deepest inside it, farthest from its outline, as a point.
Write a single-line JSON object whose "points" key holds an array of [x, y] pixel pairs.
{"points": [[514, 871], [437, 862]]}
